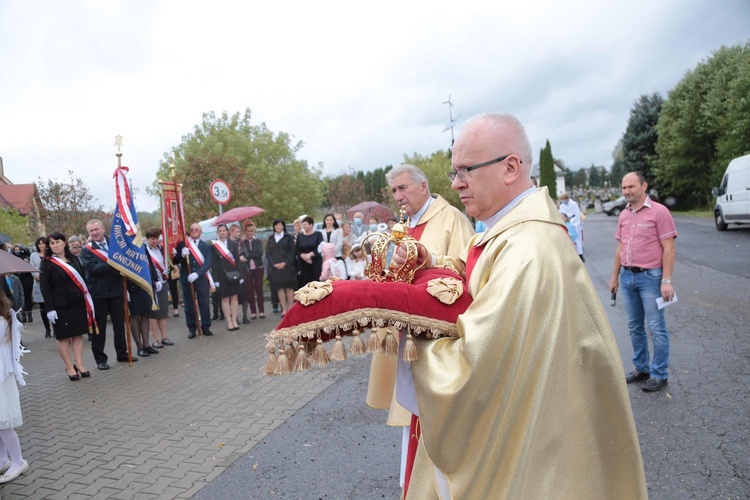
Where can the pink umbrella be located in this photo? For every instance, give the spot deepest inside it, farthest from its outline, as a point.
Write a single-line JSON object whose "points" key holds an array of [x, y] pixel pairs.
{"points": [[237, 214]]}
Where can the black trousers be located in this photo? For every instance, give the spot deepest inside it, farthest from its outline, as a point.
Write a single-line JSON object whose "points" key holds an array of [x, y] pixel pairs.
{"points": [[173, 292], [115, 308], [202, 293]]}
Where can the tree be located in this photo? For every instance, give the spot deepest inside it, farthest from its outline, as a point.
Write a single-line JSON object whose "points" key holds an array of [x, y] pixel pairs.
{"points": [[704, 123], [617, 173], [595, 177], [344, 191], [149, 219], [639, 139], [547, 176], [436, 166], [259, 165], [64, 206], [14, 225]]}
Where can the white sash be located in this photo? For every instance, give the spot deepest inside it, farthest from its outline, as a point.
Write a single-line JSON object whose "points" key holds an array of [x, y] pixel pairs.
{"points": [[198, 256], [224, 251], [97, 251], [81, 284], [158, 259]]}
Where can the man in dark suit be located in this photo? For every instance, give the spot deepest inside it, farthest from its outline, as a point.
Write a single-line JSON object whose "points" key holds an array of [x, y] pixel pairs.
{"points": [[198, 253], [105, 287]]}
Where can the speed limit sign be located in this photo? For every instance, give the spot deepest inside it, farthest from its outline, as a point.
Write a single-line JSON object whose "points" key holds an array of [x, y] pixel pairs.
{"points": [[220, 192]]}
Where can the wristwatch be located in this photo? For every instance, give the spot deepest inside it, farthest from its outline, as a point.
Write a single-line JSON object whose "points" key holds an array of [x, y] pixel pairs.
{"points": [[666, 281]]}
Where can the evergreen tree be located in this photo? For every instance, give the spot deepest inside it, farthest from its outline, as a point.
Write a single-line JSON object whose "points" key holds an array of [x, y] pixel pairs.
{"points": [[639, 140], [595, 177], [547, 175]]}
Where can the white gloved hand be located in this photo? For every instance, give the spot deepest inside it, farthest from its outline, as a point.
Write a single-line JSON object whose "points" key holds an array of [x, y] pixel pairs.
{"points": [[216, 284], [158, 286], [185, 251], [128, 296], [52, 316], [241, 281], [192, 277]]}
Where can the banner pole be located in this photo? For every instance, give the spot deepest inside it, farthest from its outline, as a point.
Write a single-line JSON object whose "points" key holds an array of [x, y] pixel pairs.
{"points": [[127, 319], [187, 259]]}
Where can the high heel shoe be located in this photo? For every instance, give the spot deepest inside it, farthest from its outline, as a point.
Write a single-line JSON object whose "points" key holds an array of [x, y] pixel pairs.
{"points": [[85, 374], [72, 378]]}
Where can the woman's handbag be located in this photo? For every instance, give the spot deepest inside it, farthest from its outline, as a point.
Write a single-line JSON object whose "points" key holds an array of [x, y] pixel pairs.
{"points": [[233, 276]]}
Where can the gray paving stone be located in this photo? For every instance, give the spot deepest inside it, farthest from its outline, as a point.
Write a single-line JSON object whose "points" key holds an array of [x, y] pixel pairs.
{"points": [[161, 428]]}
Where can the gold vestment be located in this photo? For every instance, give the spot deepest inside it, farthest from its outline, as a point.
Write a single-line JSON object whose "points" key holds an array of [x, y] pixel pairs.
{"points": [[530, 401], [447, 232]]}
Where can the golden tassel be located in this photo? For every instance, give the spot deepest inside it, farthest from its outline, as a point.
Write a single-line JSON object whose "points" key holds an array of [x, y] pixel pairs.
{"points": [[291, 353], [338, 353], [320, 355], [283, 366], [390, 345], [302, 362], [410, 349], [268, 371], [358, 347], [373, 343]]}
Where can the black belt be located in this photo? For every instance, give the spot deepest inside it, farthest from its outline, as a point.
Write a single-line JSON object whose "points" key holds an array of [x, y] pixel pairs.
{"points": [[634, 269]]}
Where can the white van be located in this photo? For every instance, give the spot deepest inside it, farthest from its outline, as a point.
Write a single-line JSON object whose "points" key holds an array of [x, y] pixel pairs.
{"points": [[733, 196]]}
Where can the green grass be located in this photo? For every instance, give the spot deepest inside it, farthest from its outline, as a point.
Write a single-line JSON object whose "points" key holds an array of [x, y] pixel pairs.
{"points": [[705, 213]]}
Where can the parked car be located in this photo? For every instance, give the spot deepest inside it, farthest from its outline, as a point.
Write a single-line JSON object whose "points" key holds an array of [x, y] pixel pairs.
{"points": [[615, 207], [733, 196]]}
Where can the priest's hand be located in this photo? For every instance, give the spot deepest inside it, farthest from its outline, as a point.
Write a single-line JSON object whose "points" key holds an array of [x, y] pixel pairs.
{"points": [[192, 277], [399, 256]]}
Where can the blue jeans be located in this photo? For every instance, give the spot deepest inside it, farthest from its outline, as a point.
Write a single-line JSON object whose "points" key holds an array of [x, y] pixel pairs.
{"points": [[639, 292]]}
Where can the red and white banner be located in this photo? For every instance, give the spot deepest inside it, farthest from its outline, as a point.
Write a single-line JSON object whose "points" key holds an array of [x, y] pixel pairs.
{"points": [[172, 226], [124, 200]]}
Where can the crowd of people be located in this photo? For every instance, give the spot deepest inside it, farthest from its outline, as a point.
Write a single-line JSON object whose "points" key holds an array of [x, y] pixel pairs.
{"points": [[523, 351]]}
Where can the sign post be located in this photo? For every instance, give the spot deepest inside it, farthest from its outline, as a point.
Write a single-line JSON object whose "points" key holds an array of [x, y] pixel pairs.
{"points": [[220, 193]]}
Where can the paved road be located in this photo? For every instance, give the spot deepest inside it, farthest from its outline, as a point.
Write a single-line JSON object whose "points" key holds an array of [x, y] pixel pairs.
{"points": [[199, 419]]}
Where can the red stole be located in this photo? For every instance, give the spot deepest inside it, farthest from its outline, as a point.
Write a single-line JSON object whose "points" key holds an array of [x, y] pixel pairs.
{"points": [[416, 231], [96, 251], [78, 281], [224, 251], [472, 259]]}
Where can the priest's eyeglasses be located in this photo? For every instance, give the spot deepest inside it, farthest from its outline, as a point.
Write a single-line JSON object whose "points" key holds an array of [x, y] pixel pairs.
{"points": [[463, 173]]}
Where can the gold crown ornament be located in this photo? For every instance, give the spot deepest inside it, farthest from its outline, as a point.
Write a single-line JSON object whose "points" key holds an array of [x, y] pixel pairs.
{"points": [[377, 268]]}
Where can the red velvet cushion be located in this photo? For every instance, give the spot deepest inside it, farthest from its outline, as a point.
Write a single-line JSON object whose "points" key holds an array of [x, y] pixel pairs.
{"points": [[365, 304]]}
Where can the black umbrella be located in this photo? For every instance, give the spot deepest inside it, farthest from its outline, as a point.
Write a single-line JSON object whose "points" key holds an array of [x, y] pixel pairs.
{"points": [[4, 238]]}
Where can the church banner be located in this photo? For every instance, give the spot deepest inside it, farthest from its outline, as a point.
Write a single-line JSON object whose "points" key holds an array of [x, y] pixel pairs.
{"points": [[172, 226], [127, 252]]}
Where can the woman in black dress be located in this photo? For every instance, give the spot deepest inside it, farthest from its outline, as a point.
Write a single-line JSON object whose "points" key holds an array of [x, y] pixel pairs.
{"points": [[65, 299], [280, 255], [226, 273], [310, 261]]}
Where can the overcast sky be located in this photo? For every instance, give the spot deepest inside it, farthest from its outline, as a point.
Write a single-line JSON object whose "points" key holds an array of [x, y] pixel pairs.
{"points": [[359, 84]]}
